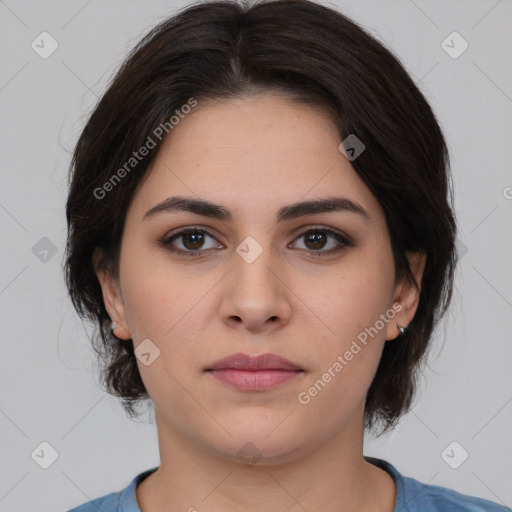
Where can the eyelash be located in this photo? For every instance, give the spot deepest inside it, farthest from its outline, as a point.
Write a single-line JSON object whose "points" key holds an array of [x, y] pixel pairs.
{"points": [[343, 240]]}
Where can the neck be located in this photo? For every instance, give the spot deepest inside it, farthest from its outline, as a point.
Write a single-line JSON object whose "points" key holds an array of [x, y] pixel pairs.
{"points": [[330, 477]]}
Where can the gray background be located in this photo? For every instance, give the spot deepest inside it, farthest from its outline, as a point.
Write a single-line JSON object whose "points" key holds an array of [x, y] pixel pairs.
{"points": [[47, 374]]}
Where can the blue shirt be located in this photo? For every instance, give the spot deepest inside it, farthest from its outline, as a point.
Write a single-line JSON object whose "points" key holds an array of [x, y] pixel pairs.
{"points": [[411, 496]]}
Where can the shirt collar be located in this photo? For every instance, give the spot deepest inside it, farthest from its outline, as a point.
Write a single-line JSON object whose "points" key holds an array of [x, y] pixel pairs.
{"points": [[128, 499]]}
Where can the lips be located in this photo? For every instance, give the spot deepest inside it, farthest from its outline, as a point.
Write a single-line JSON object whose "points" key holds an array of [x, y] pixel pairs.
{"points": [[242, 361], [254, 373]]}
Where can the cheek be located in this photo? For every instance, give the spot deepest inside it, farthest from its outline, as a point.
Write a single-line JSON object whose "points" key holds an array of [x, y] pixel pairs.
{"points": [[354, 307], [170, 314], [346, 359], [172, 308], [147, 306], [156, 294], [351, 298]]}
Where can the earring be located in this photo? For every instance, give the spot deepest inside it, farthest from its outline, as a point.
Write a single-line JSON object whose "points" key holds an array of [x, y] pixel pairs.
{"points": [[113, 326], [403, 330]]}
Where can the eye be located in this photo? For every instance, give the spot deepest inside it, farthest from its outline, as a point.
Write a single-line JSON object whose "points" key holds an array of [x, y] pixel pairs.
{"points": [[316, 239], [192, 241]]}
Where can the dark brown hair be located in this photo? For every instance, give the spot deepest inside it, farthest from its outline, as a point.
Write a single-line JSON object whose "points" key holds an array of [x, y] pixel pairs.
{"points": [[315, 55]]}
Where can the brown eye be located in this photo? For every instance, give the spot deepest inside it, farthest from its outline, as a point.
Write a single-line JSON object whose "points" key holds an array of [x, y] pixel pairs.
{"points": [[190, 241], [193, 240], [316, 240]]}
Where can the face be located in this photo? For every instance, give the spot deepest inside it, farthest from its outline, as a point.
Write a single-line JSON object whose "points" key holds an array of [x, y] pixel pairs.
{"points": [[259, 280]]}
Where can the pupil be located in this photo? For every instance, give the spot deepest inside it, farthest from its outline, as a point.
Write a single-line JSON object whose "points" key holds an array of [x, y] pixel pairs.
{"points": [[198, 241], [317, 239]]}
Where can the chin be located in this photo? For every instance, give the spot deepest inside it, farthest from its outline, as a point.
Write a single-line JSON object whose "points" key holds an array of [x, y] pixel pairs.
{"points": [[261, 443]]}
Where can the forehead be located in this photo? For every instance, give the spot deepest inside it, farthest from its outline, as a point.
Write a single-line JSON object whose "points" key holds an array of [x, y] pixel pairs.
{"points": [[248, 152]]}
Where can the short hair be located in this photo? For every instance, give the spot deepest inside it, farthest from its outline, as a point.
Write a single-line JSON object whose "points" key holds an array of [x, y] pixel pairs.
{"points": [[312, 54]]}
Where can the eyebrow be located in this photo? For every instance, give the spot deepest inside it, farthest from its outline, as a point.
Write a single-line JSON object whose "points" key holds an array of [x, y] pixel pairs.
{"points": [[288, 212]]}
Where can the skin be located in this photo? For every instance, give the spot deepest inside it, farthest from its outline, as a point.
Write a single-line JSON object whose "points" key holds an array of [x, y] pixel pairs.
{"points": [[254, 155]]}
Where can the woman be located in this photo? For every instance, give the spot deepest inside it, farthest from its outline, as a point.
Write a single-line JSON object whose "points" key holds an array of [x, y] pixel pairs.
{"points": [[260, 224]]}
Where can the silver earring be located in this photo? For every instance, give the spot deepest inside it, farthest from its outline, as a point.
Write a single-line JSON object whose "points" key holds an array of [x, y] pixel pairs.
{"points": [[402, 330], [113, 326]]}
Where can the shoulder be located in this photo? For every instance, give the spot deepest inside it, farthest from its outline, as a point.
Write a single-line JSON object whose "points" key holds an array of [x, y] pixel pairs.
{"points": [[415, 496], [434, 498], [107, 503], [122, 501]]}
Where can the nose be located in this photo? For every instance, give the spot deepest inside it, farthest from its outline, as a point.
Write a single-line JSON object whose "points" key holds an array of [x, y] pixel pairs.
{"points": [[255, 295]]}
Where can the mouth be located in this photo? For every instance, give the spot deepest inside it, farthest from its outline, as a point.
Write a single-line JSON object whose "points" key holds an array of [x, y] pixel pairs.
{"points": [[254, 380], [254, 373]]}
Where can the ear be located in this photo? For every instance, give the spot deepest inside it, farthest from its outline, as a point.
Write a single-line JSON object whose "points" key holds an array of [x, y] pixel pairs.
{"points": [[112, 296], [407, 295]]}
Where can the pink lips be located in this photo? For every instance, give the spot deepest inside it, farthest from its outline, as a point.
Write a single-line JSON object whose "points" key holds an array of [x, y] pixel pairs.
{"points": [[254, 373]]}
